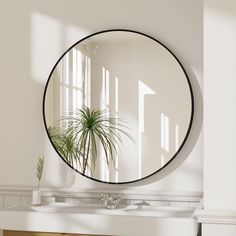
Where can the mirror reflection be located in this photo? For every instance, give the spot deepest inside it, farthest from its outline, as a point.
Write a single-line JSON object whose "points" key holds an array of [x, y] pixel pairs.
{"points": [[118, 106]]}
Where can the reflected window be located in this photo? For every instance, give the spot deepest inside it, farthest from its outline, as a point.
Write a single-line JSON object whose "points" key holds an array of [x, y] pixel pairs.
{"points": [[165, 123]]}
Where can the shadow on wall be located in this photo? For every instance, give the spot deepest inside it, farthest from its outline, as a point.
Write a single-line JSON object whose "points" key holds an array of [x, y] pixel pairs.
{"points": [[219, 6]]}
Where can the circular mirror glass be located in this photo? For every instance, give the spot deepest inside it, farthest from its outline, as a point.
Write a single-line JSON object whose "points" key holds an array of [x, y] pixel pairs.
{"points": [[118, 106]]}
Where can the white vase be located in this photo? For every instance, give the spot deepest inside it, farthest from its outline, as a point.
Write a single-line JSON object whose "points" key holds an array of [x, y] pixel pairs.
{"points": [[36, 197]]}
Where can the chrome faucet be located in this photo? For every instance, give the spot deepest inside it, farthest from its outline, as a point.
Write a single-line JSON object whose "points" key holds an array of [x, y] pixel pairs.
{"points": [[109, 201]]}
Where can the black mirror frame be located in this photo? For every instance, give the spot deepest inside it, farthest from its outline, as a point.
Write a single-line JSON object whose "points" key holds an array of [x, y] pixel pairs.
{"points": [[191, 117]]}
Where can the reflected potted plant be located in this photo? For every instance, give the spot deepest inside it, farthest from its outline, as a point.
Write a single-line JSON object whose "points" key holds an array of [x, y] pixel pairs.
{"points": [[78, 136], [36, 195]]}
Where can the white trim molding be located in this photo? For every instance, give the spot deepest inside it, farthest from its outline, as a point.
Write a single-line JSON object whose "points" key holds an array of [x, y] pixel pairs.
{"points": [[129, 192], [13, 195], [210, 216]]}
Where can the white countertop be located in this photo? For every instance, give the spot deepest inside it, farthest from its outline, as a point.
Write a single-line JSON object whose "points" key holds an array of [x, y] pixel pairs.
{"points": [[149, 221]]}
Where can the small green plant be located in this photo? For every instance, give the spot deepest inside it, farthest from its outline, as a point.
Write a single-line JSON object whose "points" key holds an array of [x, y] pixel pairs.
{"points": [[39, 169]]}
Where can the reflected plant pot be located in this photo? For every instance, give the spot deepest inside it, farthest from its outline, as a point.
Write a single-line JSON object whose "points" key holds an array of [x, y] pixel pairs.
{"points": [[36, 197]]}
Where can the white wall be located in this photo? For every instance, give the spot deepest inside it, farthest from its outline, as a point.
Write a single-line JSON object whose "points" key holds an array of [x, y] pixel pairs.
{"points": [[219, 113], [218, 230], [220, 109], [35, 33]]}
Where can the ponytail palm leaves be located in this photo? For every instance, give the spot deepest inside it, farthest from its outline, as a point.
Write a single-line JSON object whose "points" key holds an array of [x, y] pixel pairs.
{"points": [[79, 136]]}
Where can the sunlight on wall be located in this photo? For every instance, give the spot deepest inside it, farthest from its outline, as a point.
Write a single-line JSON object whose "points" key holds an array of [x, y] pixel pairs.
{"points": [[105, 102], [46, 34], [79, 82], [49, 39], [116, 110], [143, 90], [176, 137], [165, 132], [65, 82]]}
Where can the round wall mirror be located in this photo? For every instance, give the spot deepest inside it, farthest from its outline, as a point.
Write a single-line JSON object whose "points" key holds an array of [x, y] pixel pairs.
{"points": [[118, 106]]}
